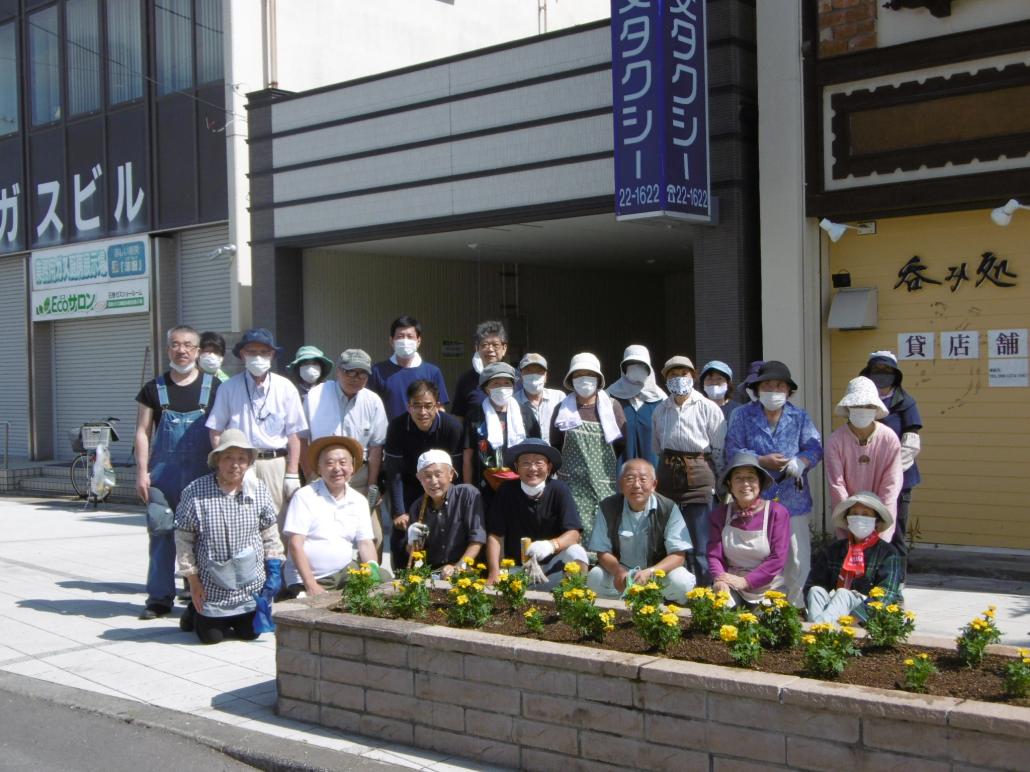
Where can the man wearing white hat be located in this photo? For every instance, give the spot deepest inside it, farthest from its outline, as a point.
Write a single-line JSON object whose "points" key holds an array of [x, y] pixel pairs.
{"points": [[532, 390], [864, 455], [447, 521]]}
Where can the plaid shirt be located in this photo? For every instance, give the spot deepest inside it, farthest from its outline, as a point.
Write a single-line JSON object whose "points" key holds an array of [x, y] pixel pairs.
{"points": [[883, 568], [220, 526]]}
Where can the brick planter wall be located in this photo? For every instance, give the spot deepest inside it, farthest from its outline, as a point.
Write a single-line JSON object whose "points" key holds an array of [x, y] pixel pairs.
{"points": [[546, 706]]}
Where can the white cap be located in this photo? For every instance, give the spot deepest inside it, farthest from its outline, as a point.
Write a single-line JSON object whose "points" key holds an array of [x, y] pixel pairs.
{"points": [[433, 457]]}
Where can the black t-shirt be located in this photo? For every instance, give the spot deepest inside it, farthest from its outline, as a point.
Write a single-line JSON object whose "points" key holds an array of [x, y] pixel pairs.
{"points": [[466, 393], [514, 515], [405, 442], [181, 399]]}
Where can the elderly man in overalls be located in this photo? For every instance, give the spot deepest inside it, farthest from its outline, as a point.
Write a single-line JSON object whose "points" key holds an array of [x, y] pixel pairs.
{"points": [[171, 452]]}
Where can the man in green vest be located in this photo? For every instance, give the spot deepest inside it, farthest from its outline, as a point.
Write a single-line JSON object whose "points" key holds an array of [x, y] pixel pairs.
{"points": [[639, 536]]}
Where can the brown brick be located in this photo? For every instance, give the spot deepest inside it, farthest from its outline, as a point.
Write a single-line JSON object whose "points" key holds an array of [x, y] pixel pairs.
{"points": [[298, 638], [342, 646], [550, 736], [295, 709], [825, 6], [849, 3], [806, 753], [435, 661], [832, 48], [905, 737], [297, 662], [862, 41], [344, 720], [481, 670], [581, 714], [789, 719], [661, 698], [723, 764], [544, 761], [681, 732], [478, 748], [387, 653], [830, 20], [558, 683], [747, 743], [858, 13], [494, 726], [389, 705], [987, 750], [456, 692], [297, 687], [638, 754], [612, 691], [341, 695], [387, 729]]}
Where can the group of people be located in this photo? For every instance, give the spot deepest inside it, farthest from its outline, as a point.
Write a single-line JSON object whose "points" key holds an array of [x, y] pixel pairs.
{"points": [[706, 481]]}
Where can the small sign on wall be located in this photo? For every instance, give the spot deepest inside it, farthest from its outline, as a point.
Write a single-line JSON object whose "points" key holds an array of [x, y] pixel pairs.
{"points": [[452, 349], [1006, 343], [915, 346], [961, 344], [1008, 372]]}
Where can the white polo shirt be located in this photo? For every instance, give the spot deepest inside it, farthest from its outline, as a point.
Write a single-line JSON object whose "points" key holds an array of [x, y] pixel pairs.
{"points": [[267, 414], [330, 412], [331, 528]]}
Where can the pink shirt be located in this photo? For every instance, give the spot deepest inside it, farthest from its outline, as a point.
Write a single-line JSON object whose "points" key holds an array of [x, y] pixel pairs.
{"points": [[876, 466]]}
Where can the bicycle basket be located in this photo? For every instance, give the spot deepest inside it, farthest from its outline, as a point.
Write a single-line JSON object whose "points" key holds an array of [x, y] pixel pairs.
{"points": [[94, 434], [75, 439]]}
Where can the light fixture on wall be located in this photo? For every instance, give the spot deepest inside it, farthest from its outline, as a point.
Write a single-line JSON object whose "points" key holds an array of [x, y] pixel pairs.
{"points": [[1003, 214], [835, 229]]}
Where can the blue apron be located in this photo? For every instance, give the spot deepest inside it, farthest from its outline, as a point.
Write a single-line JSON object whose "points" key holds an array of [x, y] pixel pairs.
{"points": [[179, 447]]}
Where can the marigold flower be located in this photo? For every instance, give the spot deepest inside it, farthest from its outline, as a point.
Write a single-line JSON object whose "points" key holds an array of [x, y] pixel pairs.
{"points": [[591, 595], [516, 585], [415, 579], [877, 592], [909, 662], [808, 640], [721, 595], [1023, 652], [396, 584], [773, 595], [467, 560], [507, 563], [910, 616], [728, 633], [480, 586], [635, 589], [659, 573], [464, 582], [673, 608], [502, 576], [893, 608], [847, 619], [1026, 660], [989, 613], [876, 605], [461, 600], [780, 603], [924, 656], [530, 613], [670, 619], [647, 610], [719, 602], [608, 616], [418, 555], [697, 593], [849, 631], [747, 618], [480, 566], [572, 568], [652, 586]]}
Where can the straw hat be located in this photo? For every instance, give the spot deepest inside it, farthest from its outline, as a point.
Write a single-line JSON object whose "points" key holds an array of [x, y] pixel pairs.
{"points": [[357, 453]]}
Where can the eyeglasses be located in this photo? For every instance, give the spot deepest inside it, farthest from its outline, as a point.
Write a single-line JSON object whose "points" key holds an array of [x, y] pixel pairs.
{"points": [[527, 464], [355, 374], [183, 346], [422, 407], [494, 344]]}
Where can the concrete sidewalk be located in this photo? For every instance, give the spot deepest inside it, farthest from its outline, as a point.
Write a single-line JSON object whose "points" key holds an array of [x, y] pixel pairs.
{"points": [[74, 586]]}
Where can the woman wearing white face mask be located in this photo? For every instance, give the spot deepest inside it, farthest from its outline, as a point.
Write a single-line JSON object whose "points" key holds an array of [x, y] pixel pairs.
{"points": [[788, 445], [717, 384], [212, 354], [864, 455], [639, 395], [496, 423], [310, 367], [533, 391], [588, 429], [847, 569]]}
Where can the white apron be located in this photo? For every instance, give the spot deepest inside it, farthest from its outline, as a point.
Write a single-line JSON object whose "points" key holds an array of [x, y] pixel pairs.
{"points": [[743, 551]]}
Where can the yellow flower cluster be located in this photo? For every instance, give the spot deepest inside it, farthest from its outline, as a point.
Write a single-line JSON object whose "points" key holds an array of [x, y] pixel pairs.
{"points": [[910, 662], [462, 599], [507, 563], [670, 618], [672, 607], [572, 568], [699, 593], [576, 593], [875, 605], [659, 573], [980, 624], [808, 639], [893, 608], [414, 579], [418, 555], [877, 592], [464, 582], [635, 589], [467, 560], [364, 570], [821, 627], [774, 595], [647, 610], [652, 586], [847, 619], [531, 613], [780, 603], [608, 617], [747, 618], [728, 633], [481, 566], [989, 613]]}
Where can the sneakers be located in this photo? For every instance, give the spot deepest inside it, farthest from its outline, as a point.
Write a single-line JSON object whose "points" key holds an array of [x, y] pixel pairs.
{"points": [[154, 611]]}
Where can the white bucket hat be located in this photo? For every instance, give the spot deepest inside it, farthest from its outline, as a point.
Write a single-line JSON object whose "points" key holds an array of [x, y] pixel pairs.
{"points": [[840, 512], [585, 361], [637, 354], [231, 438], [861, 391]]}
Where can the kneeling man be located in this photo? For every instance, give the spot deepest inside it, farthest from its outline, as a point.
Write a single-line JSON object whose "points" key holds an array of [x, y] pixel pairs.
{"points": [[638, 532]]}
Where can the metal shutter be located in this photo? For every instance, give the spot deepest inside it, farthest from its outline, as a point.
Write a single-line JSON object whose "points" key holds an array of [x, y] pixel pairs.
{"points": [[14, 385], [205, 284], [97, 365]]}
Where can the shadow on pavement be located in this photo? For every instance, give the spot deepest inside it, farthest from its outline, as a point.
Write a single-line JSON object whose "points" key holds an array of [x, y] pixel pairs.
{"points": [[122, 588], [93, 609]]}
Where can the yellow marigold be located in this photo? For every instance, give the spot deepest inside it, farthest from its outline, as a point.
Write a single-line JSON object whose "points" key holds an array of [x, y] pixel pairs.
{"points": [[672, 608], [503, 576], [773, 595], [849, 631], [728, 633], [670, 619], [876, 605], [1026, 660], [480, 586], [877, 592], [467, 560], [516, 585], [607, 616], [722, 595], [572, 568], [989, 613], [396, 584], [418, 555], [1023, 652], [507, 563], [893, 608], [847, 619], [780, 603], [910, 616], [480, 566], [909, 662], [822, 627], [719, 602], [591, 595], [415, 579], [464, 582], [652, 586], [699, 592], [647, 610], [529, 614], [461, 600], [924, 656], [659, 573], [808, 640], [635, 589], [575, 593], [747, 618]]}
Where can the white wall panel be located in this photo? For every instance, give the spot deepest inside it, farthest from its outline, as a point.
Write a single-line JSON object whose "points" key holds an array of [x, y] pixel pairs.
{"points": [[538, 186], [14, 386], [205, 284]]}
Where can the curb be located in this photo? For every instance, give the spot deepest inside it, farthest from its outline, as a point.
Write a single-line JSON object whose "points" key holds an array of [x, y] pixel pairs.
{"points": [[259, 750]]}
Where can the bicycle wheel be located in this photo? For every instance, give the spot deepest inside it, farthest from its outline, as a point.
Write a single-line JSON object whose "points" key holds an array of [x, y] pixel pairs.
{"points": [[80, 472]]}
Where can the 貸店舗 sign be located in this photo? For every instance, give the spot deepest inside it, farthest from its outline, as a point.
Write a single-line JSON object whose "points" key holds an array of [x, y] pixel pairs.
{"points": [[99, 278]]}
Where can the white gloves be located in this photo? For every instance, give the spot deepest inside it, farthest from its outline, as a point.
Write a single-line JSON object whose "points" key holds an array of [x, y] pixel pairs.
{"points": [[540, 550], [373, 496], [794, 468], [291, 484], [910, 447], [417, 532]]}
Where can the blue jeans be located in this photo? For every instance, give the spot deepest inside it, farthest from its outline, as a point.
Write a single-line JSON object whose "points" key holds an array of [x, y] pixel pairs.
{"points": [[161, 570], [696, 518]]}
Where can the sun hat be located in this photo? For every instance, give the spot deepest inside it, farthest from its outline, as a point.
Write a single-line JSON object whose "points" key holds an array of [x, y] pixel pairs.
{"points": [[585, 361], [231, 438], [354, 359], [861, 392], [312, 353], [884, 358], [431, 457], [532, 445], [677, 361], [774, 371], [497, 370], [532, 359], [260, 335], [752, 373], [871, 500], [357, 453], [744, 459], [719, 367], [636, 354]]}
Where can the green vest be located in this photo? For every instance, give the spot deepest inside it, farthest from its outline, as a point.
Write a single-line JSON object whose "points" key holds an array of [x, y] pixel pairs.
{"points": [[658, 518]]}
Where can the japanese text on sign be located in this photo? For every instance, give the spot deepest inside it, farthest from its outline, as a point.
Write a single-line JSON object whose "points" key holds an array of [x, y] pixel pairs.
{"points": [[914, 274]]}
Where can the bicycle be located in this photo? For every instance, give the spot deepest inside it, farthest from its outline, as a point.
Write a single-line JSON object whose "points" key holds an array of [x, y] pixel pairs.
{"points": [[90, 441]]}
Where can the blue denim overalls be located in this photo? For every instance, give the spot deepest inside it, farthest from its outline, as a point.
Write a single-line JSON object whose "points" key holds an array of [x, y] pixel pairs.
{"points": [[178, 456]]}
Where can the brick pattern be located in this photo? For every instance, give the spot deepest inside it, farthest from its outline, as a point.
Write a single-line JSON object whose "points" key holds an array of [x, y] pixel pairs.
{"points": [[535, 705], [846, 26]]}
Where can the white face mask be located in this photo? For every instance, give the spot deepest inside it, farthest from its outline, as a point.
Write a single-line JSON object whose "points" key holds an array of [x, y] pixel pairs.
{"points": [[533, 490], [533, 383], [680, 385], [636, 373], [405, 348], [210, 363], [500, 395], [716, 390], [772, 400], [861, 526], [310, 373], [861, 417], [182, 369], [585, 386], [258, 366]]}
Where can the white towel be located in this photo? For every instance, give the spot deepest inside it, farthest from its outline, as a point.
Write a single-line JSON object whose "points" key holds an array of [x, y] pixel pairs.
{"points": [[568, 416], [494, 432]]}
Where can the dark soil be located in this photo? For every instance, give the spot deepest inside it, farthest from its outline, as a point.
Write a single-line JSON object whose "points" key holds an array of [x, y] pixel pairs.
{"points": [[879, 667]]}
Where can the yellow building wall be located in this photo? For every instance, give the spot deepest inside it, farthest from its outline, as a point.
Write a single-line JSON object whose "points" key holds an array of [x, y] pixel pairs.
{"points": [[975, 461]]}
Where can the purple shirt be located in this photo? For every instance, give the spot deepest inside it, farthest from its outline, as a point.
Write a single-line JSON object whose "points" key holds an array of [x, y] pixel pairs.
{"points": [[779, 543]]}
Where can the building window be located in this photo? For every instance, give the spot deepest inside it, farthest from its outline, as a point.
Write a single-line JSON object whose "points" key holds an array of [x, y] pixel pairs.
{"points": [[82, 56], [125, 51], [45, 66], [173, 20], [209, 41], [8, 80]]}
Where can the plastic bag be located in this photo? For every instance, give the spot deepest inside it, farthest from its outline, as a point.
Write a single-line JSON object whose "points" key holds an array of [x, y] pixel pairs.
{"points": [[102, 479]]}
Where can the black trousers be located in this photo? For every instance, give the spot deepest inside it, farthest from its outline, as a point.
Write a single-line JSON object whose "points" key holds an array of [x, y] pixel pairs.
{"points": [[216, 629]]}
